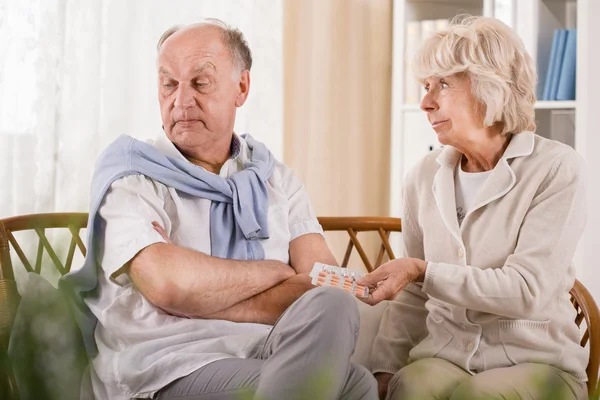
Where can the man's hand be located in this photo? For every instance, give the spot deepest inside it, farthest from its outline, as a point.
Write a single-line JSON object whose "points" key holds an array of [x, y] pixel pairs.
{"points": [[383, 381], [386, 282], [158, 228]]}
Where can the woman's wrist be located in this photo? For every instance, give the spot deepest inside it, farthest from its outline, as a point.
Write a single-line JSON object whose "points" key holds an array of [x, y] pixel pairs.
{"points": [[420, 268]]}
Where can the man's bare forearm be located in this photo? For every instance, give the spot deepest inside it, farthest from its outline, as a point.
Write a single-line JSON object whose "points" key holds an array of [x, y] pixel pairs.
{"points": [[187, 282], [266, 307]]}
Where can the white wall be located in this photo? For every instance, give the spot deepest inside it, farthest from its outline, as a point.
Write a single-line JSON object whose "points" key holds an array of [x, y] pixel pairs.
{"points": [[75, 74], [141, 22], [588, 137]]}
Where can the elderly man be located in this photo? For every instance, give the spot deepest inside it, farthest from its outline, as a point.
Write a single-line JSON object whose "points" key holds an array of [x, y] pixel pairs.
{"points": [[202, 241]]}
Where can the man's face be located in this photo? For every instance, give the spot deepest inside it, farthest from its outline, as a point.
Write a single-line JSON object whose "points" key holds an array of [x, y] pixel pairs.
{"points": [[199, 90]]}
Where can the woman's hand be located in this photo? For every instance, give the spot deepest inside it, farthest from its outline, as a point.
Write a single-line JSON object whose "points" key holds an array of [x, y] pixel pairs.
{"points": [[389, 279]]}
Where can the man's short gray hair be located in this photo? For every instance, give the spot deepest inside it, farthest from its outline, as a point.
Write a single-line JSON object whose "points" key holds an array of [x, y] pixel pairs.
{"points": [[232, 37]]}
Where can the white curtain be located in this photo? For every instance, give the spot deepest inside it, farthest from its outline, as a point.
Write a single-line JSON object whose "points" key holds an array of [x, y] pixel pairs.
{"points": [[75, 74]]}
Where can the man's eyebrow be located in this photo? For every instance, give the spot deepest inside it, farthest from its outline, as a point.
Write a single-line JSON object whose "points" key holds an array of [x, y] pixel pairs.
{"points": [[200, 68], [204, 66], [162, 70]]}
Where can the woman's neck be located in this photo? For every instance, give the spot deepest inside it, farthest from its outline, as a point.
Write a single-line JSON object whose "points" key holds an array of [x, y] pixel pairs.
{"points": [[483, 155]]}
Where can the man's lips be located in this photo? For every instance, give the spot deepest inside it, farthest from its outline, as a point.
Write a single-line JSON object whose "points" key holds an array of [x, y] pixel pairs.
{"points": [[185, 122]]}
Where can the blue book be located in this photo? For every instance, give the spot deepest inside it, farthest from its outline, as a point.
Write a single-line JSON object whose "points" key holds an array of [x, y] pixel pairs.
{"points": [[560, 56], [566, 81], [551, 62]]}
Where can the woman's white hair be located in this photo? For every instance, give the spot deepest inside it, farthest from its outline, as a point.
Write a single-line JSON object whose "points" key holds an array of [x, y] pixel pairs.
{"points": [[502, 73]]}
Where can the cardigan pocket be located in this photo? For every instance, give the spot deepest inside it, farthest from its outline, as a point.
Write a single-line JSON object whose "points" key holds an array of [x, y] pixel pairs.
{"points": [[528, 341]]}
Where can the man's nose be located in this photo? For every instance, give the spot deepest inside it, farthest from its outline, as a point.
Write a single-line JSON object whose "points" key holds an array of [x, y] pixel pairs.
{"points": [[184, 97]]}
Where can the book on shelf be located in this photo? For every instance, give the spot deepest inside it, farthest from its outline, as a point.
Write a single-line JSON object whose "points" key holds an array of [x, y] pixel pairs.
{"points": [[561, 74], [567, 79], [557, 64], [551, 71]]}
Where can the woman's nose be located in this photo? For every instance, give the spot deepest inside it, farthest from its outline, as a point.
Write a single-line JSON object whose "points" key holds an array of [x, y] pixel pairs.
{"points": [[428, 102]]}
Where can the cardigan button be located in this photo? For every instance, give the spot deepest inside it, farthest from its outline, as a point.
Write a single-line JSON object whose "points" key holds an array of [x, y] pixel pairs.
{"points": [[461, 252]]}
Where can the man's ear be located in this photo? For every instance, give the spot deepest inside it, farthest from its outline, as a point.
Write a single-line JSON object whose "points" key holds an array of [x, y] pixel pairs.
{"points": [[243, 88]]}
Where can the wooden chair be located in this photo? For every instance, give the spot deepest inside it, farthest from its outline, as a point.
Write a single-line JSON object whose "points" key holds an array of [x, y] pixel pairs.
{"points": [[353, 225], [9, 296], [587, 310], [586, 307]]}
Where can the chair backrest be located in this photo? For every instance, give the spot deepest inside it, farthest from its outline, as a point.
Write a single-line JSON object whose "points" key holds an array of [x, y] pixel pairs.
{"points": [[586, 307], [353, 225], [587, 310], [9, 296]]}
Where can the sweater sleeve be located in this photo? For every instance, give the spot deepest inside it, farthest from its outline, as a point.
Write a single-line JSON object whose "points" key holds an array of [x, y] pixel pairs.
{"points": [[403, 323], [539, 265]]}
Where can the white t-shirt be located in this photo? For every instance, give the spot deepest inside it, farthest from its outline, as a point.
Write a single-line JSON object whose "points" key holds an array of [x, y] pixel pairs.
{"points": [[142, 348], [466, 187]]}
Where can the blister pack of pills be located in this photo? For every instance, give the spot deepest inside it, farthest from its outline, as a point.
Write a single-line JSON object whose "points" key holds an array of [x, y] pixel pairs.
{"points": [[343, 278]]}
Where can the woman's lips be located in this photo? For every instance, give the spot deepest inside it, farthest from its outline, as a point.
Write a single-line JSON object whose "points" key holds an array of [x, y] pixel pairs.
{"points": [[438, 123]]}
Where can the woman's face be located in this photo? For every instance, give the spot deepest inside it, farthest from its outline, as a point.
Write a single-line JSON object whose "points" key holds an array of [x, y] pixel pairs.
{"points": [[453, 111]]}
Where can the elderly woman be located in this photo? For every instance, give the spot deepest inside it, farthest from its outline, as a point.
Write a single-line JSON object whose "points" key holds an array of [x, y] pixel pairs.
{"points": [[481, 302]]}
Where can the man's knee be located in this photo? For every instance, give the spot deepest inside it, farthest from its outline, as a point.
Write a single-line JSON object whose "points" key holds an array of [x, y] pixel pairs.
{"points": [[332, 304]]}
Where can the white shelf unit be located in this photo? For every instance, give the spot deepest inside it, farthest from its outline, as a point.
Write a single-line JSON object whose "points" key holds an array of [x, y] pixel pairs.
{"points": [[556, 105], [535, 22]]}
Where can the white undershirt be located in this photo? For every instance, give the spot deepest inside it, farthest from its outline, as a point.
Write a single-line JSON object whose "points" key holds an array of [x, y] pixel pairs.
{"points": [[466, 187]]}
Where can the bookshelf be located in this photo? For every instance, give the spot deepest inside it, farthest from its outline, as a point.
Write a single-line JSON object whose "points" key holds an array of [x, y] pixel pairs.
{"points": [[535, 21], [549, 105]]}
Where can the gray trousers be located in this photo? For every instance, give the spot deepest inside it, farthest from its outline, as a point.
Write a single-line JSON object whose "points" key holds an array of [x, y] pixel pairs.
{"points": [[306, 356]]}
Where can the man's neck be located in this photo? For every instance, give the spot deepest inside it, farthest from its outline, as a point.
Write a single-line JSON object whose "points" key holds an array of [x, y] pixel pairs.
{"points": [[210, 157], [214, 167]]}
